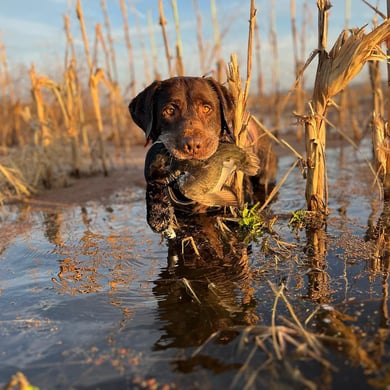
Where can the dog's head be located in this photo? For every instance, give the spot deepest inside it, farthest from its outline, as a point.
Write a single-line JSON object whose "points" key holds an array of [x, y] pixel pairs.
{"points": [[188, 114]]}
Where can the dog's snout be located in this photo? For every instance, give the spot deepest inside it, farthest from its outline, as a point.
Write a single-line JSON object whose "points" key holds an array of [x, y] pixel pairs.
{"points": [[192, 146]]}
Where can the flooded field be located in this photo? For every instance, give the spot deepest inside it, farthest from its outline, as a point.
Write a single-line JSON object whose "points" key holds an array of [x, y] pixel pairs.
{"points": [[92, 299]]}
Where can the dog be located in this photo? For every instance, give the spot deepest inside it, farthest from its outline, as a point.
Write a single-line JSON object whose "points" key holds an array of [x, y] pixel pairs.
{"points": [[187, 119]]}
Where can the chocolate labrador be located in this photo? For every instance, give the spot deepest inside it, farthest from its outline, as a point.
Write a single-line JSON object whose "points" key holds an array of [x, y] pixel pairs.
{"points": [[188, 119]]}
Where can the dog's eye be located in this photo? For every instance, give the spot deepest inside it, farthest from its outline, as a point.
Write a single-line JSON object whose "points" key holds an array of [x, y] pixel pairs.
{"points": [[206, 108], [169, 111]]}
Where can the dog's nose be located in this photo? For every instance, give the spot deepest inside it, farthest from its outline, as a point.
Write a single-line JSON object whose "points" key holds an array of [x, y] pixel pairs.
{"points": [[192, 146]]}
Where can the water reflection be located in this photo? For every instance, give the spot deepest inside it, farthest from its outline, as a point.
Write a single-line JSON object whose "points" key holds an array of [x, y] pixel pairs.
{"points": [[206, 286], [213, 306], [94, 262], [318, 285], [379, 262], [363, 344], [379, 234], [52, 222]]}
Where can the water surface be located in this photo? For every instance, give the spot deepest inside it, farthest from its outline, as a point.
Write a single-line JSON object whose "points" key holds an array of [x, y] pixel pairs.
{"points": [[92, 299]]}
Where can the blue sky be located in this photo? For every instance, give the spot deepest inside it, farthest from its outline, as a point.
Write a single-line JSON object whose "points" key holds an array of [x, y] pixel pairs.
{"points": [[33, 32]]}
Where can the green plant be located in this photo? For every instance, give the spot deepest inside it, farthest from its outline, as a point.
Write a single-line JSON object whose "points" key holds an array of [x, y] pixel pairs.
{"points": [[298, 219], [251, 223]]}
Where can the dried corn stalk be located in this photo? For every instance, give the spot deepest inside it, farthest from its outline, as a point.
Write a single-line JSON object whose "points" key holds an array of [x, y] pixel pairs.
{"points": [[80, 17], [129, 47], [109, 38], [241, 116], [163, 23], [37, 82], [353, 48], [73, 106], [73, 93], [12, 184], [94, 88], [336, 69], [179, 50]]}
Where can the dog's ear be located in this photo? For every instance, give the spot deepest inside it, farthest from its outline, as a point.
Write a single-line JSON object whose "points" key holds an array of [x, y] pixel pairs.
{"points": [[227, 103], [142, 110]]}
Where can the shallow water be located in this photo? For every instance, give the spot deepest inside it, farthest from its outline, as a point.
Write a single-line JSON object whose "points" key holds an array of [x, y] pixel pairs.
{"points": [[91, 298]]}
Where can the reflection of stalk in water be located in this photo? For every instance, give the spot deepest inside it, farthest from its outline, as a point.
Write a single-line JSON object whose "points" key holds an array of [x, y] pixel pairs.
{"points": [[318, 278], [379, 263], [52, 223]]}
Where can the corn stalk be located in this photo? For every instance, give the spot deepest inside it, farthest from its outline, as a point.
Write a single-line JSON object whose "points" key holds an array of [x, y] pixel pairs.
{"points": [[241, 116], [217, 36], [179, 50], [140, 37], [335, 70], [99, 38], [7, 79], [129, 47], [163, 23], [299, 89], [94, 88], [260, 79], [10, 103], [109, 38], [80, 17], [45, 137], [386, 144], [73, 104], [275, 71], [152, 40], [72, 84], [202, 55]]}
